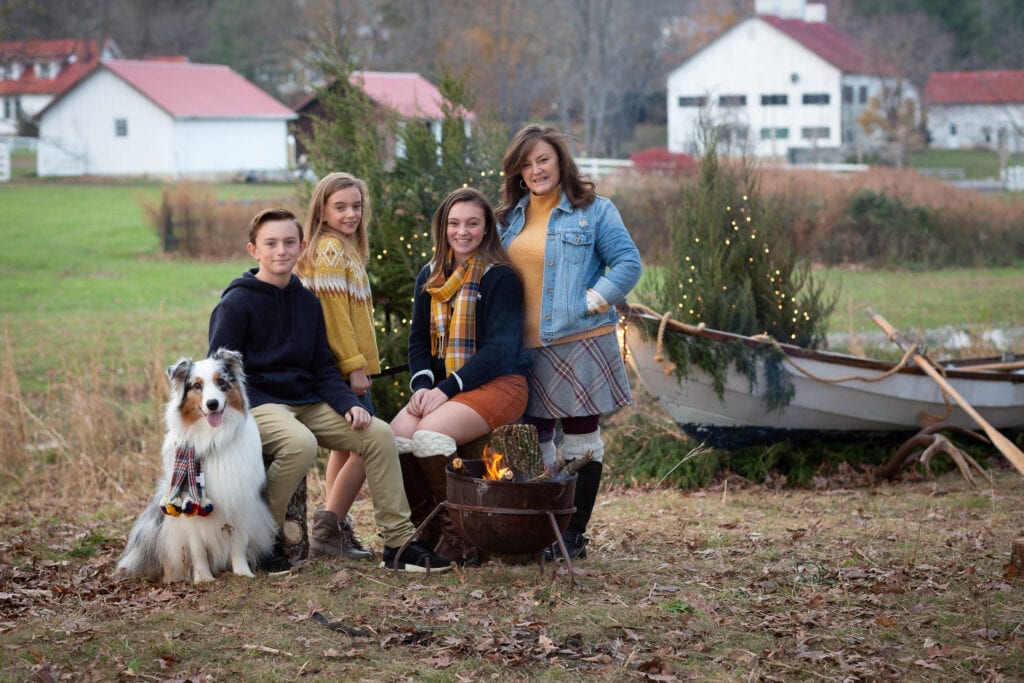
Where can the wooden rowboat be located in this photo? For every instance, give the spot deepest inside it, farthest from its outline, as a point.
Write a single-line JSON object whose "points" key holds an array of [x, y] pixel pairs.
{"points": [[836, 396]]}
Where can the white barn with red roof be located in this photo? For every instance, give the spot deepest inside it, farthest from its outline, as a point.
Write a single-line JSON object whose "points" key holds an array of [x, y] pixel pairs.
{"points": [[969, 109], [781, 83], [33, 72], [163, 119]]}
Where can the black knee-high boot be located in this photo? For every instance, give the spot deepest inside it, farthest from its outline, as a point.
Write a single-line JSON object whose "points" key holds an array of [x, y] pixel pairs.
{"points": [[588, 481]]}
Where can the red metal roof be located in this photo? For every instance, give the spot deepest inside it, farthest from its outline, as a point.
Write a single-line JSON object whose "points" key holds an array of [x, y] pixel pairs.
{"points": [[975, 87], [77, 57], [825, 40], [408, 94], [197, 90]]}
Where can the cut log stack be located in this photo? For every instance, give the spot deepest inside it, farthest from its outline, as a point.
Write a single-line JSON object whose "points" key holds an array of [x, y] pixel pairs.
{"points": [[520, 448]]}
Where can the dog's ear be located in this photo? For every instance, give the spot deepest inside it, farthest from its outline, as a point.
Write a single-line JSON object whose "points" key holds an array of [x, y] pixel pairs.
{"points": [[180, 371], [231, 360]]}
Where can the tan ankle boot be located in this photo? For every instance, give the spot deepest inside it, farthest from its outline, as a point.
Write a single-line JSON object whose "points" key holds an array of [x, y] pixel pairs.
{"points": [[330, 539]]}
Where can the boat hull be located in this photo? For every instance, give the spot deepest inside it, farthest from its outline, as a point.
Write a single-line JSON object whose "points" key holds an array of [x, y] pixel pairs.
{"points": [[891, 409]]}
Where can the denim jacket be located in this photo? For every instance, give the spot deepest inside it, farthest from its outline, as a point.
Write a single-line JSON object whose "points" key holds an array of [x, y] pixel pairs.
{"points": [[586, 248]]}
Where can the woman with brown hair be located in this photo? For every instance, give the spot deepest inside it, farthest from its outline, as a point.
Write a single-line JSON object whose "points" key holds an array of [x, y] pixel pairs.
{"points": [[465, 355], [576, 261]]}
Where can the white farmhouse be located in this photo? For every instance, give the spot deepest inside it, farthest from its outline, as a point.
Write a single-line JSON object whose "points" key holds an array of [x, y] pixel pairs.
{"points": [[782, 83], [163, 119], [976, 109]]}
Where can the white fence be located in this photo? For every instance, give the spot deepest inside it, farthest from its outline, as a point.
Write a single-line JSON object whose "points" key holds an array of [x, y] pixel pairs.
{"points": [[1013, 178], [596, 167]]}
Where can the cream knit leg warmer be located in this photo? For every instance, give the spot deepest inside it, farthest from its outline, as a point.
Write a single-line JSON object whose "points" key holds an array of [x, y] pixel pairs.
{"points": [[576, 446], [426, 443]]}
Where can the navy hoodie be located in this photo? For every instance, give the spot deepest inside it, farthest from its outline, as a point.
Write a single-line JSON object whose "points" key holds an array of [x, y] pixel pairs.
{"points": [[283, 341]]}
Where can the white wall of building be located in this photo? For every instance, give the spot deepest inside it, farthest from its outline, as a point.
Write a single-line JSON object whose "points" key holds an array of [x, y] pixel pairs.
{"points": [[79, 135], [230, 145], [964, 126]]}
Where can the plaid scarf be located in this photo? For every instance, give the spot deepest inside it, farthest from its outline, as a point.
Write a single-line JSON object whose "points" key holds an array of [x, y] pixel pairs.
{"points": [[453, 314], [186, 494]]}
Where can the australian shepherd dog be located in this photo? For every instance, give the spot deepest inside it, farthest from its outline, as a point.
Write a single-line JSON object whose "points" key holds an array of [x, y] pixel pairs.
{"points": [[209, 513]]}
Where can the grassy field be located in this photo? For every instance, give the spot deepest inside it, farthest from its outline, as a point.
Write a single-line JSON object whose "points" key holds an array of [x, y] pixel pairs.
{"points": [[83, 276], [853, 580], [977, 164]]}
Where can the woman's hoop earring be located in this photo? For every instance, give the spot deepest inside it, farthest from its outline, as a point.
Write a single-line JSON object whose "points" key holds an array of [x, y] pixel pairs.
{"points": [[522, 183]]}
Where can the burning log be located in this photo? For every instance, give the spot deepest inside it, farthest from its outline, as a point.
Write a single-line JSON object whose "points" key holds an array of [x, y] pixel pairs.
{"points": [[458, 466], [519, 447], [568, 469]]}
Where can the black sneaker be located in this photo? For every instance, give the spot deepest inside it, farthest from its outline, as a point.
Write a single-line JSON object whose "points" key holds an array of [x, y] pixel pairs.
{"points": [[273, 562], [416, 558], [575, 545]]}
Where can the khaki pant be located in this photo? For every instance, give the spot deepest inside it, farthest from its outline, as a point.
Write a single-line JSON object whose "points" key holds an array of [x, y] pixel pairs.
{"points": [[291, 435]]}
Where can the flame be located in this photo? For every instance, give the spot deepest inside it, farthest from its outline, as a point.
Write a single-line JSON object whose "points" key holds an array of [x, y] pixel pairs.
{"points": [[492, 460]]}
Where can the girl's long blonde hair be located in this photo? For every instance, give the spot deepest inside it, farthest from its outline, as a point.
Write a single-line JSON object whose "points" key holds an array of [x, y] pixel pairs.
{"points": [[316, 224]]}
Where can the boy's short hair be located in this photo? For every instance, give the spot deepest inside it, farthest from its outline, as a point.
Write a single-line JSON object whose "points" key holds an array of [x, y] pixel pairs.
{"points": [[267, 215]]}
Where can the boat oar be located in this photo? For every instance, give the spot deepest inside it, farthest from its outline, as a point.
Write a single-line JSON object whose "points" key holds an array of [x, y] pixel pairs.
{"points": [[1005, 446]]}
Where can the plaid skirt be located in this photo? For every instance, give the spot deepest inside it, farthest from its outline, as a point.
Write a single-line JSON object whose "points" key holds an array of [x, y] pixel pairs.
{"points": [[578, 378]]}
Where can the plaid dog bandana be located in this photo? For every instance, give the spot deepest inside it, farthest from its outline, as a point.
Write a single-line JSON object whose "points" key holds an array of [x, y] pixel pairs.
{"points": [[187, 484], [453, 314]]}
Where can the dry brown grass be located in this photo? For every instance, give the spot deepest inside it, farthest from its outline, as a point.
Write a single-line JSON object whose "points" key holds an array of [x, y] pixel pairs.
{"points": [[191, 221], [814, 205], [731, 583], [827, 196]]}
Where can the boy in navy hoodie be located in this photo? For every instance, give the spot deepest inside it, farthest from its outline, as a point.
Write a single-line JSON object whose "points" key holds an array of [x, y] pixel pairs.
{"points": [[297, 396]]}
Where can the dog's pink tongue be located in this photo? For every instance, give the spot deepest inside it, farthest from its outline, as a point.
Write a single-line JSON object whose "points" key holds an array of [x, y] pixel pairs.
{"points": [[214, 419]]}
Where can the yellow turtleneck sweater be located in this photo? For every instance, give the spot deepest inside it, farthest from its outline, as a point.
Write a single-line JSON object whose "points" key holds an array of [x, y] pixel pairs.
{"points": [[526, 252]]}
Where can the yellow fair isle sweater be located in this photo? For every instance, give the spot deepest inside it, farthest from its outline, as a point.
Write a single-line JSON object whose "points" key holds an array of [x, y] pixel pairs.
{"points": [[339, 279], [526, 252]]}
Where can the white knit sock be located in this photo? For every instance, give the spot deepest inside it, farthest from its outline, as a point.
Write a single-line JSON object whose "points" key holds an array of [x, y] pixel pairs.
{"points": [[403, 444], [426, 443], [576, 446]]}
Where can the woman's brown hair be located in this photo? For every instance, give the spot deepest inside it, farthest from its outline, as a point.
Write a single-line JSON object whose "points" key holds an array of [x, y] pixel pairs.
{"points": [[579, 189]]}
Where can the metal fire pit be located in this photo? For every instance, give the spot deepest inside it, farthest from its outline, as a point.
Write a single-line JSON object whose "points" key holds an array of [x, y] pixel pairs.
{"points": [[509, 517]]}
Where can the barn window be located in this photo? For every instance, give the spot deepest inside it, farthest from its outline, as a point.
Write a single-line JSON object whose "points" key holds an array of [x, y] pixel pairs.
{"points": [[770, 100], [816, 98], [121, 128], [952, 129], [847, 94], [862, 96], [816, 133], [732, 101], [692, 101]]}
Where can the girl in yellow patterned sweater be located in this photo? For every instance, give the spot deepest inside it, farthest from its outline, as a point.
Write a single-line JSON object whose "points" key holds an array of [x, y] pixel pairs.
{"points": [[334, 268]]}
